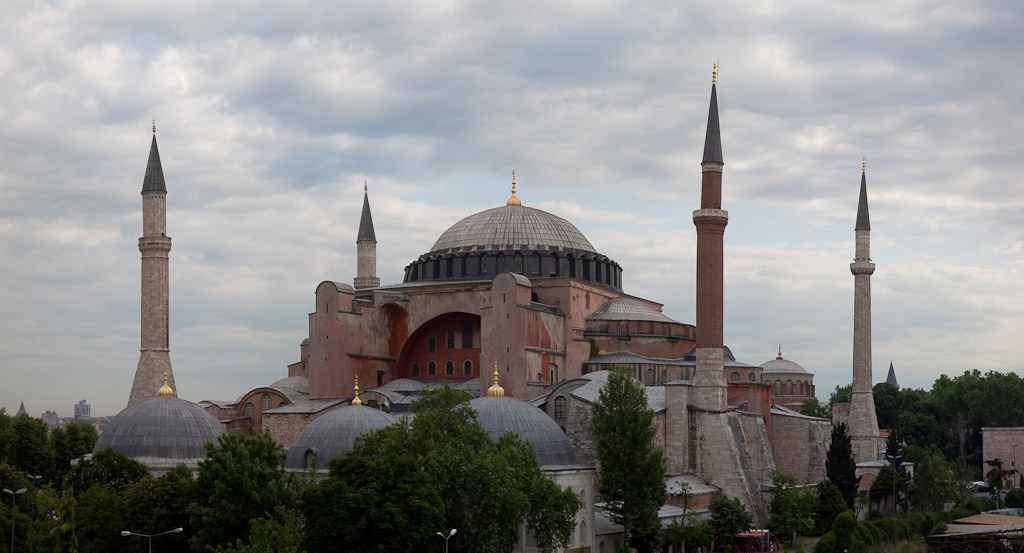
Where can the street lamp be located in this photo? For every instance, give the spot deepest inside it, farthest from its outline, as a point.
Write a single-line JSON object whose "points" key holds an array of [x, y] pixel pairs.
{"points": [[126, 533], [14, 511], [892, 462], [446, 538]]}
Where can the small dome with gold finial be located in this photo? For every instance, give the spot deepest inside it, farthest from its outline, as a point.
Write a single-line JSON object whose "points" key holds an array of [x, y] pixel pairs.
{"points": [[495, 390], [333, 434]]}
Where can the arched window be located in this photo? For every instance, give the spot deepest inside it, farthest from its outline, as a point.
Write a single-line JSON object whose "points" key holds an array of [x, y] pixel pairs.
{"points": [[437, 268], [586, 269], [431, 369], [415, 370], [789, 387], [778, 387], [431, 344], [450, 339], [465, 266], [751, 377], [449, 368], [517, 264], [560, 408], [450, 262], [583, 498], [467, 368], [265, 403], [554, 265], [600, 547], [583, 532], [572, 265], [467, 334], [649, 377], [501, 264], [250, 410], [309, 459], [735, 377]]}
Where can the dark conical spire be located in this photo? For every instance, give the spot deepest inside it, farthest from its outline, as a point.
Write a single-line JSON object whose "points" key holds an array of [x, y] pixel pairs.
{"points": [[891, 379], [154, 180], [21, 410], [713, 139], [366, 220], [863, 221]]}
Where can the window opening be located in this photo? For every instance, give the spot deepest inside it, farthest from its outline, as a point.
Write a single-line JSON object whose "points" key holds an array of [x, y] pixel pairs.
{"points": [[431, 369]]}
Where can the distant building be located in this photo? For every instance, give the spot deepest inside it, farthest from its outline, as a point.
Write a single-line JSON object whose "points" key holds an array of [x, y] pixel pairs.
{"points": [[51, 419], [83, 410]]}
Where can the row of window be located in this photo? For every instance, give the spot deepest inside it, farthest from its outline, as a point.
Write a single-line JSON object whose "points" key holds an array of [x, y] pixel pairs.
{"points": [[265, 405], [467, 338], [449, 368], [537, 266], [802, 388]]}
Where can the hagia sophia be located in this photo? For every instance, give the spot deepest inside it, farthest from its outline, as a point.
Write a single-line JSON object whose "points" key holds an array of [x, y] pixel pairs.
{"points": [[518, 309]]}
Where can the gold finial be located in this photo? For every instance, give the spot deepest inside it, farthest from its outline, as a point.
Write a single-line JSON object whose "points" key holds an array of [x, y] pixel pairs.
{"points": [[495, 390], [864, 164], [714, 73], [154, 127], [165, 390], [365, 187], [780, 352], [356, 400], [513, 200]]}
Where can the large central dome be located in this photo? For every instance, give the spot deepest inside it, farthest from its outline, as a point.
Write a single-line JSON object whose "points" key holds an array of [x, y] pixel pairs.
{"points": [[516, 239], [512, 227]]}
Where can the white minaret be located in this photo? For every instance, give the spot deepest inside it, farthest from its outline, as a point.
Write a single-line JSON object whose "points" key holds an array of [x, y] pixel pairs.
{"points": [[155, 246], [863, 421]]}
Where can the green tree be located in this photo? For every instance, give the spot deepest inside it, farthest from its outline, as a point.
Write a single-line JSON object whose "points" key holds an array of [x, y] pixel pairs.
{"points": [[830, 505], [962, 477], [31, 451], [154, 505], [64, 532], [933, 485], [241, 479], [689, 530], [842, 394], [632, 465], [100, 519], [71, 442], [728, 517], [813, 408], [378, 488], [791, 510], [887, 404], [108, 467], [995, 478], [281, 533], [840, 468]]}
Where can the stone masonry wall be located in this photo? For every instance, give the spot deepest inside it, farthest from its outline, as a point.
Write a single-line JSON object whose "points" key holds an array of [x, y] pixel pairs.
{"points": [[720, 456], [800, 445]]}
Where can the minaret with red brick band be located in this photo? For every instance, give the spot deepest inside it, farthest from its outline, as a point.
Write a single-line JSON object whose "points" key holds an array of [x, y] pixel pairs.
{"points": [[709, 386]]}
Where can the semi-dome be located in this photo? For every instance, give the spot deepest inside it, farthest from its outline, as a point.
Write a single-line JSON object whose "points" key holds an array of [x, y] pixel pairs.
{"points": [[297, 383], [498, 415], [780, 365], [516, 239], [512, 226], [161, 431], [333, 434]]}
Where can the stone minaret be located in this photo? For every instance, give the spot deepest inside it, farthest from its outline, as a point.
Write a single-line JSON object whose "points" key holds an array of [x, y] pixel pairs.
{"points": [[863, 422], [366, 248], [709, 387], [155, 246]]}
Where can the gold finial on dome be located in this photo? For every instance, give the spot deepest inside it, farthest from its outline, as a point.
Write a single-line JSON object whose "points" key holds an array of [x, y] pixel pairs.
{"points": [[495, 390], [356, 400], [780, 352], [165, 390], [714, 73], [513, 200]]}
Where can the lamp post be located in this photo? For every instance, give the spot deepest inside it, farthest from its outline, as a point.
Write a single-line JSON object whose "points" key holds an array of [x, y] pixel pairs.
{"points": [[14, 511], [446, 538], [126, 533], [892, 462]]}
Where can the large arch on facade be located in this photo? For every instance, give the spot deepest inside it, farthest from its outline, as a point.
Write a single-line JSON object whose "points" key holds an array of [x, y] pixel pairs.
{"points": [[455, 328]]}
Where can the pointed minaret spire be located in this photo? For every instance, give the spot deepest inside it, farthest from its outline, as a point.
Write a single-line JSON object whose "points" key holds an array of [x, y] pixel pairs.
{"points": [[366, 247], [863, 221], [155, 247], [713, 138]]}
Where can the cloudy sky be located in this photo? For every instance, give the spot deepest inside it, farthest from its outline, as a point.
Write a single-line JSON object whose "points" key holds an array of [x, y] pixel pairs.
{"points": [[270, 115]]}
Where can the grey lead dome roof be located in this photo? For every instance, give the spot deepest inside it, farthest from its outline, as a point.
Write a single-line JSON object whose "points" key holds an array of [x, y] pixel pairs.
{"points": [[512, 225], [626, 309], [780, 365], [161, 428], [333, 434], [498, 415]]}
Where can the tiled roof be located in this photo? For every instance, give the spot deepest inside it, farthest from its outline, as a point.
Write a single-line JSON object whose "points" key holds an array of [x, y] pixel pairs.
{"points": [[512, 225]]}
